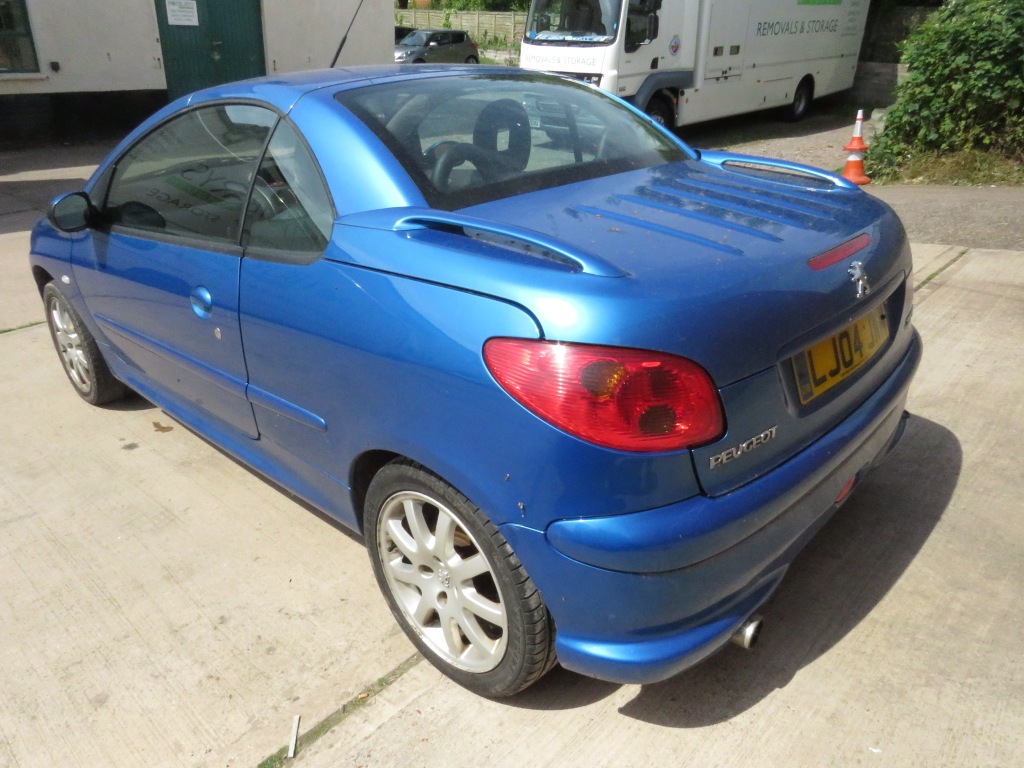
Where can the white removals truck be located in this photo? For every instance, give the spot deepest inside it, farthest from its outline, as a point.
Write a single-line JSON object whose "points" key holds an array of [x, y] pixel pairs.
{"points": [[683, 61]]}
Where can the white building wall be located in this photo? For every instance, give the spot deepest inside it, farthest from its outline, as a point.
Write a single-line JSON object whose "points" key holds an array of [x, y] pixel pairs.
{"points": [[304, 34], [114, 45], [109, 45]]}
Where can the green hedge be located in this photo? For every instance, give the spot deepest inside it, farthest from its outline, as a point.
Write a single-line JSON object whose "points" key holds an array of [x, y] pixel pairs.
{"points": [[964, 90]]}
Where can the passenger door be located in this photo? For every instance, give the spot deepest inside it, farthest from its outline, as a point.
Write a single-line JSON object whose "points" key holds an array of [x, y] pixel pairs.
{"points": [[162, 278]]}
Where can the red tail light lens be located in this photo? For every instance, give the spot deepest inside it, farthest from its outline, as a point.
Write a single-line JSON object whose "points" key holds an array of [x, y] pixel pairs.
{"points": [[628, 399], [840, 252]]}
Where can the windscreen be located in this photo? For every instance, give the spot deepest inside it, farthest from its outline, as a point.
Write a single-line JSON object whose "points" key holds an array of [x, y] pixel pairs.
{"points": [[573, 21], [471, 139], [418, 38]]}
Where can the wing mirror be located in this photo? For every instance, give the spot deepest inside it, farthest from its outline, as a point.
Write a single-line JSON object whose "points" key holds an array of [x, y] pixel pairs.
{"points": [[72, 212]]}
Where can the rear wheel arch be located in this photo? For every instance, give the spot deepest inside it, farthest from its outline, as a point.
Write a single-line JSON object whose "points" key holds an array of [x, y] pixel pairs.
{"points": [[364, 469]]}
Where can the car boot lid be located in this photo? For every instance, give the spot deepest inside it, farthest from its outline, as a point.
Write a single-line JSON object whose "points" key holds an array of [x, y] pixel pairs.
{"points": [[712, 248]]}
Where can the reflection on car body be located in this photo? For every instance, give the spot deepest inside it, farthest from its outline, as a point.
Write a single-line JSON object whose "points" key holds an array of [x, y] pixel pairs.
{"points": [[568, 378]]}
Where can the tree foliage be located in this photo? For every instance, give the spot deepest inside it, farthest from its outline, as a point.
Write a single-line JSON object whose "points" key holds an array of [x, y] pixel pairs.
{"points": [[965, 87]]}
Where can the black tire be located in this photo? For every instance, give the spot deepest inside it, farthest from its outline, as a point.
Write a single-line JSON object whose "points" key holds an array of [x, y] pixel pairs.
{"points": [[661, 112], [802, 98], [472, 60], [454, 584], [78, 352]]}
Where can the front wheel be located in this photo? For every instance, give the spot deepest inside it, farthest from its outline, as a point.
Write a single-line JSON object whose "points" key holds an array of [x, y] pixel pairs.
{"points": [[660, 110], [78, 352], [454, 584]]}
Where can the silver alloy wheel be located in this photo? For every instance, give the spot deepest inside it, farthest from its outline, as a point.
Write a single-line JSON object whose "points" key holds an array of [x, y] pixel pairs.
{"points": [[442, 582], [70, 346]]}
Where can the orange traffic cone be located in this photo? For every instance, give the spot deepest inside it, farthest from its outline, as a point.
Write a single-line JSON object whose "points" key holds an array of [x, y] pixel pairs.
{"points": [[854, 170]]}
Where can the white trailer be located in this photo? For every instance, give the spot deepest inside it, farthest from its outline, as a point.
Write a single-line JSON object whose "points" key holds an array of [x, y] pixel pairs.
{"points": [[684, 61]]}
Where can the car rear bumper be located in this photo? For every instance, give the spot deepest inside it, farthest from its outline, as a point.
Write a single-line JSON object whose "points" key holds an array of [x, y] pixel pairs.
{"points": [[638, 598]]}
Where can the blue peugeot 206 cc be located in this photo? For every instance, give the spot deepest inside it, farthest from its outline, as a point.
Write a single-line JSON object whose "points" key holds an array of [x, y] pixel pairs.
{"points": [[585, 392]]}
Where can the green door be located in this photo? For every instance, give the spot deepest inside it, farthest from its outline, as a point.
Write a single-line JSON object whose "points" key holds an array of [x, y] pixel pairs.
{"points": [[208, 42]]}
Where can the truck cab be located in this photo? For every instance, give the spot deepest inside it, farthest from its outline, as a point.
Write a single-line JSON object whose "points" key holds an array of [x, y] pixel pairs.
{"points": [[684, 61]]}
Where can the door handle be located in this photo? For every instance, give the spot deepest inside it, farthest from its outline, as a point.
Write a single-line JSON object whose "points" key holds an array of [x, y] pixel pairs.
{"points": [[202, 302]]}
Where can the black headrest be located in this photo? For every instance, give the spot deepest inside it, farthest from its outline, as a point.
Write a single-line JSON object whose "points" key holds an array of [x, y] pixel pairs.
{"points": [[501, 116]]}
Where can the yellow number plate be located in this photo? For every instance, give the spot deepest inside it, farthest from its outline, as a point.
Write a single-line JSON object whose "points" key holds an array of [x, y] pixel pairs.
{"points": [[827, 363]]}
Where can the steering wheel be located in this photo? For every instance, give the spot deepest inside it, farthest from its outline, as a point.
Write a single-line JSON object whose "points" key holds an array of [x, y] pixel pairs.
{"points": [[266, 199], [435, 150]]}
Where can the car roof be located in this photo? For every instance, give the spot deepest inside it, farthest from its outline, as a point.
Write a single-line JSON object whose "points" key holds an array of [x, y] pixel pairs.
{"points": [[282, 91]]}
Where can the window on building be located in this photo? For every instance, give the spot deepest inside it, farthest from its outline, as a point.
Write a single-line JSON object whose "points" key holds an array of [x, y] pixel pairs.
{"points": [[17, 51]]}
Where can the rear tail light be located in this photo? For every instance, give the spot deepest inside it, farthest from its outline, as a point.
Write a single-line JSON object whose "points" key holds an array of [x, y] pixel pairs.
{"points": [[627, 399]]}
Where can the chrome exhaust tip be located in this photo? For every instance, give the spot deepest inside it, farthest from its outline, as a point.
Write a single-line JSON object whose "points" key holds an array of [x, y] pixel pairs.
{"points": [[746, 636]]}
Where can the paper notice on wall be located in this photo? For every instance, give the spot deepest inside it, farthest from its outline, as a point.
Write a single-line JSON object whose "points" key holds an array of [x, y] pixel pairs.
{"points": [[182, 13]]}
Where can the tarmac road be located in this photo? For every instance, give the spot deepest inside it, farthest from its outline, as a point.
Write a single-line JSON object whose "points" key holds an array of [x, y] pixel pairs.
{"points": [[161, 605]]}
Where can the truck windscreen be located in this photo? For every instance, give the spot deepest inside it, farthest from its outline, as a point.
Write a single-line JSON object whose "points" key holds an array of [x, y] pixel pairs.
{"points": [[579, 22]]}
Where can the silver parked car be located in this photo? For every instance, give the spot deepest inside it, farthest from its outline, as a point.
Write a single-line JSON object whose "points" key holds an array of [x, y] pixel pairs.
{"points": [[437, 45]]}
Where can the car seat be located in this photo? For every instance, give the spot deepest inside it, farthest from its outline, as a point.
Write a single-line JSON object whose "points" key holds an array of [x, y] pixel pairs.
{"points": [[503, 128]]}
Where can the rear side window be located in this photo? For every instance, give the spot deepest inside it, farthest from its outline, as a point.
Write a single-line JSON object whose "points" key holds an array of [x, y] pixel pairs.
{"points": [[290, 208], [191, 175]]}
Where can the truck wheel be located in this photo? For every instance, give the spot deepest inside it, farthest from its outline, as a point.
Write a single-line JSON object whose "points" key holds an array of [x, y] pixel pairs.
{"points": [[802, 98], [661, 112]]}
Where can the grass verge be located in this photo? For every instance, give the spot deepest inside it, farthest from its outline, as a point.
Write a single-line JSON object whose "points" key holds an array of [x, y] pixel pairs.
{"points": [[971, 168], [357, 702]]}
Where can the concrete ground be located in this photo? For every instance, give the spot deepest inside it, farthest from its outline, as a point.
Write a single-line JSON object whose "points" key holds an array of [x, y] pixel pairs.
{"points": [[161, 605]]}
